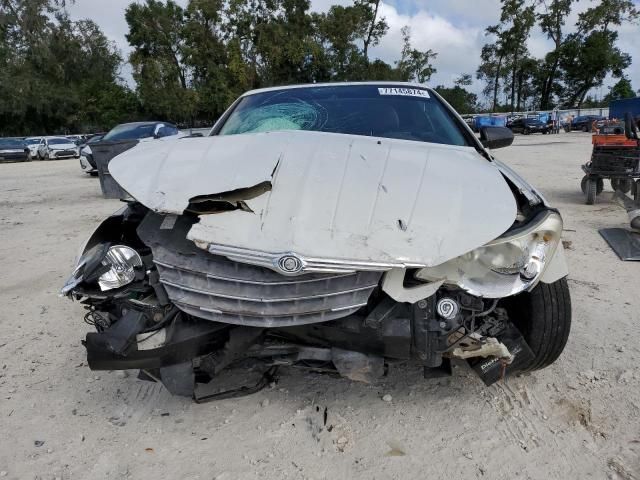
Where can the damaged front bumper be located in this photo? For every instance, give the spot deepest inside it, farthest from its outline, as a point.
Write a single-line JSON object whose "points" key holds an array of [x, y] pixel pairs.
{"points": [[182, 315]]}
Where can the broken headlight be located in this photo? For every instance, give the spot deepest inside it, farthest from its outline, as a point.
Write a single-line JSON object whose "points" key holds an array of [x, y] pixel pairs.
{"points": [[121, 262], [110, 266], [506, 266]]}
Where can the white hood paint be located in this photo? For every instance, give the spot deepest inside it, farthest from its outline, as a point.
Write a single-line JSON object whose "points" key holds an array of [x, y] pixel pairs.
{"points": [[333, 196]]}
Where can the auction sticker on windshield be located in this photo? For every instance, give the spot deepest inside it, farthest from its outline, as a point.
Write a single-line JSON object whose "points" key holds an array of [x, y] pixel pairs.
{"points": [[409, 92]]}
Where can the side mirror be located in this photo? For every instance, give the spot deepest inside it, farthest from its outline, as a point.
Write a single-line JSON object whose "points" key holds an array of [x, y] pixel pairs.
{"points": [[496, 137]]}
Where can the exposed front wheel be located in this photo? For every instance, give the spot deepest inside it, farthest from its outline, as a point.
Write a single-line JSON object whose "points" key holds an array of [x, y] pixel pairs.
{"points": [[543, 316]]}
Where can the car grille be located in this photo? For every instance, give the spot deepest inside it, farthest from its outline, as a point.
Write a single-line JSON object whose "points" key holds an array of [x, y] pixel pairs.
{"points": [[65, 153], [218, 289]]}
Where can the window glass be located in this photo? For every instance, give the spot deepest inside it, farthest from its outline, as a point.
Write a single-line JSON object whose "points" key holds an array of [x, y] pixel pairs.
{"points": [[372, 110]]}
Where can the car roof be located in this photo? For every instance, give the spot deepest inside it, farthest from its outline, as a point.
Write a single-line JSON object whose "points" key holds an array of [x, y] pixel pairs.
{"points": [[56, 137], [142, 124], [334, 84]]}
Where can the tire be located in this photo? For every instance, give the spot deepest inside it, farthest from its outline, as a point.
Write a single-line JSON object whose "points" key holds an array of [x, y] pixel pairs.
{"points": [[614, 184], [591, 189], [625, 185], [585, 129], [583, 184], [543, 316], [526, 131]]}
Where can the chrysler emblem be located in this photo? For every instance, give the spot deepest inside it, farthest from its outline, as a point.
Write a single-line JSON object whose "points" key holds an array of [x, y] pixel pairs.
{"points": [[290, 263]]}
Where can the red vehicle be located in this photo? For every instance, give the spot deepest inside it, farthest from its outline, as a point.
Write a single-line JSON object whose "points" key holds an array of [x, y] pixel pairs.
{"points": [[616, 156]]}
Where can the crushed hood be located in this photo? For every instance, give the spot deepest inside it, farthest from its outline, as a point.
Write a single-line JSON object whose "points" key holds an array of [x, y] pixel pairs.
{"points": [[327, 195]]}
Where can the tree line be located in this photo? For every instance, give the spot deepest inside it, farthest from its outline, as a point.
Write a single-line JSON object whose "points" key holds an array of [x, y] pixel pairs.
{"points": [[189, 63], [580, 58]]}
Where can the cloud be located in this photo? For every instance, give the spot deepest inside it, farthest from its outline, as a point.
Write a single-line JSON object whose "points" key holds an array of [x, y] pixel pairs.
{"points": [[458, 47]]}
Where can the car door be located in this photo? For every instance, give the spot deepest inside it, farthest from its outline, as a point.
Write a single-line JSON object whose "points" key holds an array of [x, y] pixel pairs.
{"points": [[517, 126], [42, 147]]}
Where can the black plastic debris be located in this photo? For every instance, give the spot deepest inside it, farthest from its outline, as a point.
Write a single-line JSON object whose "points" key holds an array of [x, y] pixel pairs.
{"points": [[624, 242]]}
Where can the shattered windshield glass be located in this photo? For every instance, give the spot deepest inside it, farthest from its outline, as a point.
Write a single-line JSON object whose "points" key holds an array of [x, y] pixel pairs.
{"points": [[401, 112]]}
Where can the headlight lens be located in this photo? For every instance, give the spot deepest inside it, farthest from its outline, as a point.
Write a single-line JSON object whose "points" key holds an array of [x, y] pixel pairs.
{"points": [[505, 266], [122, 261]]}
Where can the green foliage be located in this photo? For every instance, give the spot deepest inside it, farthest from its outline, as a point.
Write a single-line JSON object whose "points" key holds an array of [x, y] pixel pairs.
{"points": [[58, 75], [459, 98], [577, 63], [620, 90], [415, 65]]}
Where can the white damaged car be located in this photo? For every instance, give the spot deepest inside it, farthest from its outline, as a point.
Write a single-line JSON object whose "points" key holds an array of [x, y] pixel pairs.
{"points": [[351, 227]]}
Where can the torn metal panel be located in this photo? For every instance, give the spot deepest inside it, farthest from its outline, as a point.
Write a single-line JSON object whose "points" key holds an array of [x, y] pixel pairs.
{"points": [[164, 176], [342, 196]]}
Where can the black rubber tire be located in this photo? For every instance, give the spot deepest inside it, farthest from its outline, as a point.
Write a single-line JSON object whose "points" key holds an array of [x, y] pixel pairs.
{"points": [[526, 131], [585, 129], [625, 185], [614, 184], [583, 184], [543, 316], [591, 189]]}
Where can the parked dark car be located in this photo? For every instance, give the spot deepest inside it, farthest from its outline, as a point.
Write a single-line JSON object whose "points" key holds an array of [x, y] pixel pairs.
{"points": [[14, 150], [87, 163], [529, 125], [141, 131], [583, 123]]}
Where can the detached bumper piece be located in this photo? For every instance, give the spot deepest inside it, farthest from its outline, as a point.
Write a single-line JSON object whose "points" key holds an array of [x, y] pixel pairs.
{"points": [[118, 348]]}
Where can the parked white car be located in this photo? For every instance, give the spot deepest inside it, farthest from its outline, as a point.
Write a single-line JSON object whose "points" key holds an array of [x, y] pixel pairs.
{"points": [[56, 148], [32, 144], [336, 227]]}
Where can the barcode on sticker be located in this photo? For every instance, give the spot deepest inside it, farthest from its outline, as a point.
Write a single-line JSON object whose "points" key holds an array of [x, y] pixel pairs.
{"points": [[168, 222], [408, 92]]}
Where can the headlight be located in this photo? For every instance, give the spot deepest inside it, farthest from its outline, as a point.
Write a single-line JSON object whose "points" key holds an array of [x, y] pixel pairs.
{"points": [[121, 261], [505, 266]]}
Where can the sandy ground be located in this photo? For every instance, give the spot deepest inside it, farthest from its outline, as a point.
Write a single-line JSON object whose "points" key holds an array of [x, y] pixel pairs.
{"points": [[579, 418]]}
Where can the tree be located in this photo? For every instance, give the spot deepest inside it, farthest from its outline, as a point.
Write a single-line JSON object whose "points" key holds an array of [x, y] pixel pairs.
{"points": [[459, 98], [415, 65], [156, 33], [492, 66], [590, 54], [622, 89], [372, 28], [552, 21], [42, 53]]}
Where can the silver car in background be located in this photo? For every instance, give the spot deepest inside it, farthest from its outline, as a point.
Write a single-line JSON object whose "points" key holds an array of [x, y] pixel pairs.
{"points": [[57, 148]]}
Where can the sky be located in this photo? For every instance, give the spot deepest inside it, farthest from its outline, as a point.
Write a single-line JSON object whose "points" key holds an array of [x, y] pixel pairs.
{"points": [[452, 28]]}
